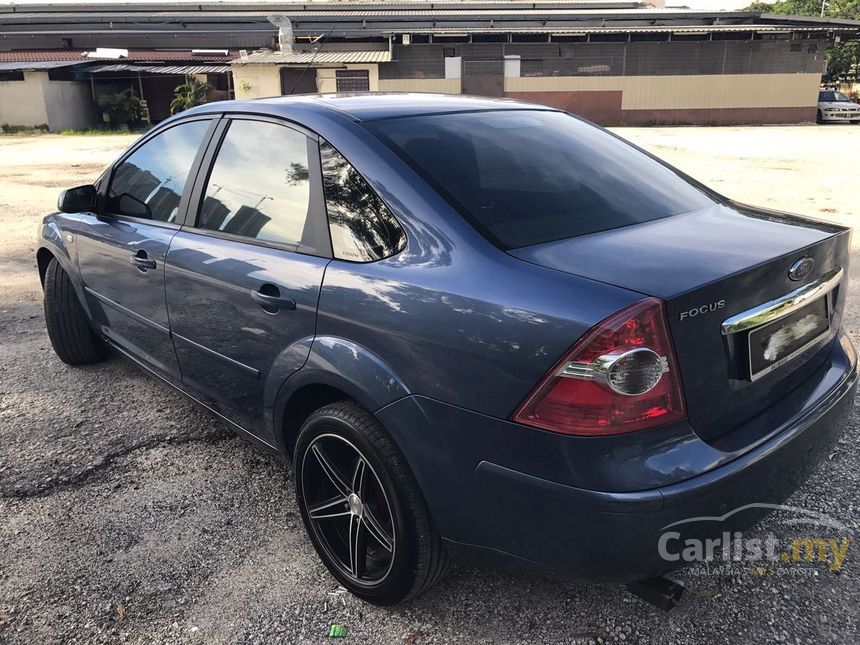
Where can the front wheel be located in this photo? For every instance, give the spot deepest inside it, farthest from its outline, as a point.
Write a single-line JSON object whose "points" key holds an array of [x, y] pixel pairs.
{"points": [[71, 336], [819, 118], [362, 507]]}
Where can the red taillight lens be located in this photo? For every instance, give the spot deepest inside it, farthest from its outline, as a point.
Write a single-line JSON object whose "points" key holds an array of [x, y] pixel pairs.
{"points": [[622, 376]]}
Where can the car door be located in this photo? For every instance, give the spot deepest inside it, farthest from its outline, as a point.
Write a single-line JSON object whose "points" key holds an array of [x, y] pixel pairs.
{"points": [[121, 249], [243, 277]]}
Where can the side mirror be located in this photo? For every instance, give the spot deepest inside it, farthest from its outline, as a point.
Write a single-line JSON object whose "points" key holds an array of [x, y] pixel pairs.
{"points": [[77, 200]]}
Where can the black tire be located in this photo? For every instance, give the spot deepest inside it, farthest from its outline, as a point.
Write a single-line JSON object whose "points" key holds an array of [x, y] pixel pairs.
{"points": [[71, 336], [417, 558], [819, 118]]}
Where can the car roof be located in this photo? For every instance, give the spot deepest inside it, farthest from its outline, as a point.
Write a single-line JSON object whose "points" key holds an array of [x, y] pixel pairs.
{"points": [[369, 106]]}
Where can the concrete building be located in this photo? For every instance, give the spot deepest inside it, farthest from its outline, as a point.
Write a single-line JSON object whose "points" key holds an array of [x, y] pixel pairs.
{"points": [[59, 89], [613, 61], [44, 94]]}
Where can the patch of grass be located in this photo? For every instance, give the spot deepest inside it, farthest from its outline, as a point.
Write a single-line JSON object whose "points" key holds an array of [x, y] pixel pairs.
{"points": [[8, 128], [98, 132]]}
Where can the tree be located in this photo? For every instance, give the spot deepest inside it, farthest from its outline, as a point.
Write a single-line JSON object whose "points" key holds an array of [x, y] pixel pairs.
{"points": [[188, 95], [122, 108], [843, 58]]}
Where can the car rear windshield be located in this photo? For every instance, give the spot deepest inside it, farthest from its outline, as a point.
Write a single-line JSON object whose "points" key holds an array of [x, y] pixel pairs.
{"points": [[527, 177]]}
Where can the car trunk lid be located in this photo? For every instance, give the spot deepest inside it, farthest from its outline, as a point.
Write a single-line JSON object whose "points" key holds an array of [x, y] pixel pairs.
{"points": [[709, 266]]}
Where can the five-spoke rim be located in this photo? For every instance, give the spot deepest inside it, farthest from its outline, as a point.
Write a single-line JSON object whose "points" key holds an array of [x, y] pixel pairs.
{"points": [[348, 509]]}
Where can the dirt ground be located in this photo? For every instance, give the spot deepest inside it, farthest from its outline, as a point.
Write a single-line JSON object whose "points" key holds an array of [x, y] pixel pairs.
{"points": [[128, 515]]}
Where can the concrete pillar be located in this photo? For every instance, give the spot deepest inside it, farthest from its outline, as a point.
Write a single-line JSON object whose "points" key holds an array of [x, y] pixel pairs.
{"points": [[512, 66], [453, 67]]}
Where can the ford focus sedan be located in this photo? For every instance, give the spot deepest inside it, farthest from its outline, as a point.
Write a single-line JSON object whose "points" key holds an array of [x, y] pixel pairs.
{"points": [[482, 330]]}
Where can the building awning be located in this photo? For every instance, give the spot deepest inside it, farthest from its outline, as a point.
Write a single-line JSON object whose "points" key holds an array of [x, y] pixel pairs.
{"points": [[163, 69], [316, 58], [148, 56], [37, 65], [644, 29]]}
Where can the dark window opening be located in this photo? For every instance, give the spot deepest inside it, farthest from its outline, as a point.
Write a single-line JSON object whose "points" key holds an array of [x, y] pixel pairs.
{"points": [[11, 76], [61, 74], [490, 38], [530, 38]]}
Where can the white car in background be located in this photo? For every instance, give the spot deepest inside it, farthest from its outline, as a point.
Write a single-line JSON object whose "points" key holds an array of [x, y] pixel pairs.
{"points": [[835, 106]]}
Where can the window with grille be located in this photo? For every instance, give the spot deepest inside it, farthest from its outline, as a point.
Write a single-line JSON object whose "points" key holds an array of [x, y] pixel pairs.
{"points": [[352, 80]]}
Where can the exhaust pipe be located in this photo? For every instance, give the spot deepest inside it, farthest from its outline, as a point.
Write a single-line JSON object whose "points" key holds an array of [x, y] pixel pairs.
{"points": [[660, 592]]}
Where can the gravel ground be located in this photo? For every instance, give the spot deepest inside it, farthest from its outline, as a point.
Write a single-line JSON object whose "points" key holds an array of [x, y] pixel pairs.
{"points": [[128, 515]]}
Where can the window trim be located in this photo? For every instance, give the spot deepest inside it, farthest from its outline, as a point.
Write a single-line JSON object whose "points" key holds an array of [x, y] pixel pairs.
{"points": [[184, 199], [316, 206]]}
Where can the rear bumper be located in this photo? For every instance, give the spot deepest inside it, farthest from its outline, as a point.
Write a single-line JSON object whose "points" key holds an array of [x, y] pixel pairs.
{"points": [[491, 512]]}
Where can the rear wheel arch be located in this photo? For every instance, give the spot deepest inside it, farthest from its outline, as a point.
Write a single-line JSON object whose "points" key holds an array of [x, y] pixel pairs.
{"points": [[301, 404], [336, 369]]}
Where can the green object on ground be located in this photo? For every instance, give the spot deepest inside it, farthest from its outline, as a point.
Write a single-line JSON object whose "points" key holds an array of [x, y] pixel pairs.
{"points": [[337, 631]]}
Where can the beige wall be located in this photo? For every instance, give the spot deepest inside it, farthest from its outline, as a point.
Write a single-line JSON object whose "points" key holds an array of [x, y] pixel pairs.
{"points": [[441, 85], [22, 102], [37, 100], [265, 80], [686, 92], [326, 82], [261, 80]]}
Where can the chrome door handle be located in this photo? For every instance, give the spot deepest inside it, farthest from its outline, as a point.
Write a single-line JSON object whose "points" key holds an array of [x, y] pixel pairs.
{"points": [[142, 261], [271, 302]]}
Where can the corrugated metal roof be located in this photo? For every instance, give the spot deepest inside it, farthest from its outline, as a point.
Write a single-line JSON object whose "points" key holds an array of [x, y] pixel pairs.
{"points": [[164, 69], [37, 65], [704, 29], [320, 57], [149, 56]]}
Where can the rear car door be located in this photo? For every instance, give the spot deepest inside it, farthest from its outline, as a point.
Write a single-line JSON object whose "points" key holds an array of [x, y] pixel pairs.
{"points": [[243, 278], [121, 250]]}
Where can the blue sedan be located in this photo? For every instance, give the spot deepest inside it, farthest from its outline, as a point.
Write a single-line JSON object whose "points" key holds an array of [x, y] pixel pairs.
{"points": [[482, 330]]}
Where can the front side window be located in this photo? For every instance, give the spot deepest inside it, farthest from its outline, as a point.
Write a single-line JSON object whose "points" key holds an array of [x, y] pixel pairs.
{"points": [[362, 228], [149, 183], [525, 177], [259, 186]]}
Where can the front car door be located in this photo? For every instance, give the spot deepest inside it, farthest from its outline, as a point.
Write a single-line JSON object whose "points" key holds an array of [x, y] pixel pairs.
{"points": [[121, 250], [243, 281]]}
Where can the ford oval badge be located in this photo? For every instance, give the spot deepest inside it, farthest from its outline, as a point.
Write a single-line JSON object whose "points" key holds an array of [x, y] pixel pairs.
{"points": [[801, 269]]}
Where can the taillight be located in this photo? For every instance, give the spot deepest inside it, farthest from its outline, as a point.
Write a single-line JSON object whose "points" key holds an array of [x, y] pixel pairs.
{"points": [[622, 376]]}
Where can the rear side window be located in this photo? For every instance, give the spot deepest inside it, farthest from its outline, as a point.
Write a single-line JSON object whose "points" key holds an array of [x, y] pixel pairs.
{"points": [[527, 177], [149, 183], [362, 228], [259, 186]]}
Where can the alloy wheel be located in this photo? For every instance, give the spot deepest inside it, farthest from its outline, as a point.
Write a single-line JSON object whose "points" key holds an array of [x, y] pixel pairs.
{"points": [[348, 509]]}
